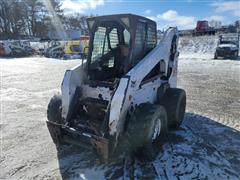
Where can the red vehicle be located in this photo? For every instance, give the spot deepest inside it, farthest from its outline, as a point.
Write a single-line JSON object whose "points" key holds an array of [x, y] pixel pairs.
{"points": [[84, 38], [203, 28], [2, 49]]}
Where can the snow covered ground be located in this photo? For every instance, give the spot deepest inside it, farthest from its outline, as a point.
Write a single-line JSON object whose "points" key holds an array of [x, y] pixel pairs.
{"points": [[205, 147], [198, 44]]}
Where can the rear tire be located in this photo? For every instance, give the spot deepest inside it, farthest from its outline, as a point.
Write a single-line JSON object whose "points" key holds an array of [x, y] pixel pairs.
{"points": [[174, 102], [143, 130], [235, 55]]}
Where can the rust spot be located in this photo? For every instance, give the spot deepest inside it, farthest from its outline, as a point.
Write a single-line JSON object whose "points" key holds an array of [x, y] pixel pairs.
{"points": [[102, 147], [130, 97]]}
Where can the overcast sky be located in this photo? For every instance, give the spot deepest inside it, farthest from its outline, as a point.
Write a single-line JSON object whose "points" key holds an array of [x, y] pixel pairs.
{"points": [[181, 13]]}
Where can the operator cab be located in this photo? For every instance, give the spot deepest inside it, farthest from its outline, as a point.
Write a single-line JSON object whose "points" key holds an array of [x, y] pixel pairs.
{"points": [[117, 43]]}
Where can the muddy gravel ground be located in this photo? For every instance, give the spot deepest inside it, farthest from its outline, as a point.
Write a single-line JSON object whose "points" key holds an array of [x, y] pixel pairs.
{"points": [[206, 146]]}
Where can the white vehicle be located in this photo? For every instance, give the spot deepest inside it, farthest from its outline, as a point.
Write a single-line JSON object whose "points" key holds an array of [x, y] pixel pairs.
{"points": [[124, 98], [228, 46], [25, 44], [55, 49]]}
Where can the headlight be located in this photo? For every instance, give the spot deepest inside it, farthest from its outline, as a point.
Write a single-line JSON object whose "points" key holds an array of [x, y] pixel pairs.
{"points": [[233, 48]]}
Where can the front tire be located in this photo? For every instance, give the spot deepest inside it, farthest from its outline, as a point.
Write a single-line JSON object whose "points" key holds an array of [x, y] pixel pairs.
{"points": [[147, 127], [54, 116], [235, 55], [54, 111]]}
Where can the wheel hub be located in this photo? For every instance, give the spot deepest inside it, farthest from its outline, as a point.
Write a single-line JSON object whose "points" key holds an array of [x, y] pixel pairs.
{"points": [[156, 129]]}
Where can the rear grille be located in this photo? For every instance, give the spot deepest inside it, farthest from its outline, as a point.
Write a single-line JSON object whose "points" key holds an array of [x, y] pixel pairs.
{"points": [[226, 48]]}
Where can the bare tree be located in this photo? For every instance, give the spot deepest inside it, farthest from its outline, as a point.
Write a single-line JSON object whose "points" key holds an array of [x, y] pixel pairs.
{"points": [[35, 18]]}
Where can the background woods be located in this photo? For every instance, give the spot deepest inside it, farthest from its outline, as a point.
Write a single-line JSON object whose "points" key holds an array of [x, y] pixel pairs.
{"points": [[35, 18]]}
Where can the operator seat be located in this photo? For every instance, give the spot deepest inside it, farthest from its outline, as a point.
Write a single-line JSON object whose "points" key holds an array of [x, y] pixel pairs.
{"points": [[121, 59]]}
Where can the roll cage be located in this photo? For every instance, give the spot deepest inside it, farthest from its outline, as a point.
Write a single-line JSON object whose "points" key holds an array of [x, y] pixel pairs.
{"points": [[117, 43]]}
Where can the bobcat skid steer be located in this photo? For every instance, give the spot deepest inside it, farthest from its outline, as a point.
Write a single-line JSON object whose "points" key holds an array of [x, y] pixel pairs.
{"points": [[124, 97]]}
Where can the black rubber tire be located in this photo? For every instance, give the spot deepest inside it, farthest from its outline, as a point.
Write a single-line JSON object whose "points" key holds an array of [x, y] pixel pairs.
{"points": [[141, 128], [235, 55], [13, 54], [54, 115], [54, 110], [174, 102], [215, 56]]}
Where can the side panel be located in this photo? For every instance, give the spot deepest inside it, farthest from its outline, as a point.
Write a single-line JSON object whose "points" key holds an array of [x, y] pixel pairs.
{"points": [[146, 93], [160, 52], [96, 92], [72, 79], [117, 104]]}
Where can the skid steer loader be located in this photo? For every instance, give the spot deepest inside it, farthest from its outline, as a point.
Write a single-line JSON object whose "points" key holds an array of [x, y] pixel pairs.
{"points": [[124, 97]]}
